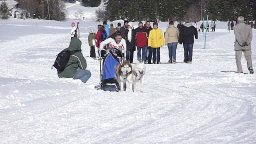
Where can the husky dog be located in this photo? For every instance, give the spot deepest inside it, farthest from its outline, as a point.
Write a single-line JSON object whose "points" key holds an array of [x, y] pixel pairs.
{"points": [[126, 73], [123, 71], [138, 75]]}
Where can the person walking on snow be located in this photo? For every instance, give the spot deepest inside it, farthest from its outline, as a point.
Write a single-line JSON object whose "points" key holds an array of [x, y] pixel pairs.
{"points": [[187, 35], [92, 43], [171, 40], [155, 42], [213, 25], [243, 39], [232, 25], [75, 32]]}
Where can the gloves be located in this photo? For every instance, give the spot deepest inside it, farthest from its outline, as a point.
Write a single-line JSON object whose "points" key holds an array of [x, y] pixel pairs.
{"points": [[103, 53], [244, 44]]}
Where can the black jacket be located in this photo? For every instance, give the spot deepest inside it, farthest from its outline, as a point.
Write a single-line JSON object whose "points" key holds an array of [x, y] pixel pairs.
{"points": [[147, 30], [187, 34], [130, 45], [124, 32]]}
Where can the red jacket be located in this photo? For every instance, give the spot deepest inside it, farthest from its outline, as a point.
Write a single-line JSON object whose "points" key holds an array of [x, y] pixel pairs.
{"points": [[141, 39], [98, 39]]}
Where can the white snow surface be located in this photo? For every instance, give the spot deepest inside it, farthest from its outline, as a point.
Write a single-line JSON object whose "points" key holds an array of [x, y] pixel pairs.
{"points": [[181, 104], [77, 11]]}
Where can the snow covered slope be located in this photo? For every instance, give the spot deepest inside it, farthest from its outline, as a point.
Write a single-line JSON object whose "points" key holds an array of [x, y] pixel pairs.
{"points": [[77, 11], [181, 104]]}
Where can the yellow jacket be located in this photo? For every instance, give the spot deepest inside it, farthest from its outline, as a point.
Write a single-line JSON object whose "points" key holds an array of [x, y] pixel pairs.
{"points": [[156, 38]]}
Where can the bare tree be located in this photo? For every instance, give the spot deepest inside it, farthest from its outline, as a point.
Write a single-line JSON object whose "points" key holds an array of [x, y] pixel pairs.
{"points": [[100, 14]]}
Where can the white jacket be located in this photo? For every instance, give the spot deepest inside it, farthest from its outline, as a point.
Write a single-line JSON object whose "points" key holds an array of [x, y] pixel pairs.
{"points": [[112, 44]]}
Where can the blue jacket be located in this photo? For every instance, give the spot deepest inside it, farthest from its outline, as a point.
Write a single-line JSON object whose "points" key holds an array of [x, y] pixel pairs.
{"points": [[107, 29]]}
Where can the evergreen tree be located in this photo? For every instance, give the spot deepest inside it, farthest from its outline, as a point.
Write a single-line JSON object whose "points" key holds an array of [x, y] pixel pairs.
{"points": [[91, 3], [4, 11]]}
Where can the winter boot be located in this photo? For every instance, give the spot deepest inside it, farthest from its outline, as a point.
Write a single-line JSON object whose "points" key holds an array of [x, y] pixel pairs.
{"points": [[174, 61], [251, 70]]}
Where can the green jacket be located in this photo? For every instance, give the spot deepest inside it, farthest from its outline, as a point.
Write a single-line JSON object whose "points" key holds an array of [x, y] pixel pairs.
{"points": [[76, 59], [91, 38]]}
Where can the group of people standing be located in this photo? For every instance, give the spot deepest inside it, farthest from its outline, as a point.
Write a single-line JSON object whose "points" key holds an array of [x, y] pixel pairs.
{"points": [[206, 27], [146, 40]]}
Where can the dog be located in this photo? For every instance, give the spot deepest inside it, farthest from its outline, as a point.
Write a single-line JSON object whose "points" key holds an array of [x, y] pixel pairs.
{"points": [[128, 74]]}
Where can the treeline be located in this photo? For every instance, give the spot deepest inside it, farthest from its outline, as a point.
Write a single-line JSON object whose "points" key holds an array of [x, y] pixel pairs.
{"points": [[231, 9], [179, 9], [44, 9]]}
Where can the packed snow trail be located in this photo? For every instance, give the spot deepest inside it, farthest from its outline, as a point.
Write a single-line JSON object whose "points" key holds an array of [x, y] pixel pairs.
{"points": [[181, 103]]}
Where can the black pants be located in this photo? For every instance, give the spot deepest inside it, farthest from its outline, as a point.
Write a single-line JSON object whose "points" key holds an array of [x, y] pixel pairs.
{"points": [[92, 52], [156, 55], [129, 56]]}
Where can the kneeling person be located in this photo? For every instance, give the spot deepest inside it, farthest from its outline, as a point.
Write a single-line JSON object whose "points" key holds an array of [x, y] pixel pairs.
{"points": [[76, 66]]}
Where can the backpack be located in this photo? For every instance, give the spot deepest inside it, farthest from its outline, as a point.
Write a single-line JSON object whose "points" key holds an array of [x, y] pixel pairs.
{"points": [[62, 60]]}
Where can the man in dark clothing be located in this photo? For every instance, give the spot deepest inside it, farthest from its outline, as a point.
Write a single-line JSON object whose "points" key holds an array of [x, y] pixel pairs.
{"points": [[147, 29], [187, 34], [232, 25], [179, 26], [127, 33], [125, 29]]}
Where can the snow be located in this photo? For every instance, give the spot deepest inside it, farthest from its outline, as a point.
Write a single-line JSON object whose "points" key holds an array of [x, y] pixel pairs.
{"points": [[181, 103], [77, 11]]}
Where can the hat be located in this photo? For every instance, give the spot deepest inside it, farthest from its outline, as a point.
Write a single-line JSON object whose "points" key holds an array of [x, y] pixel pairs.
{"points": [[73, 24], [171, 19], [126, 21]]}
